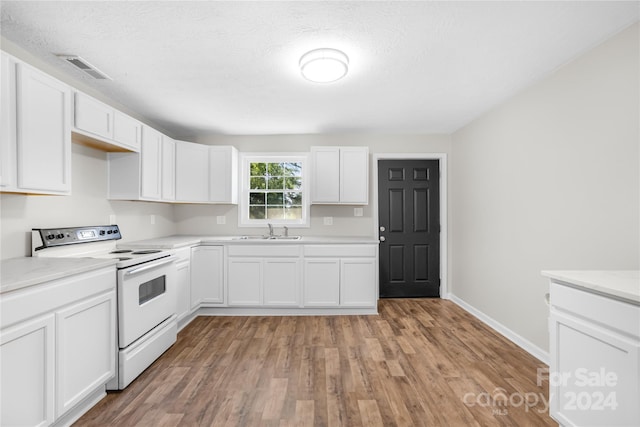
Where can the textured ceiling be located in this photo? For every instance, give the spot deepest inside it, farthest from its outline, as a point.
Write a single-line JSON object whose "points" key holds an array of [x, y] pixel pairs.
{"points": [[206, 67]]}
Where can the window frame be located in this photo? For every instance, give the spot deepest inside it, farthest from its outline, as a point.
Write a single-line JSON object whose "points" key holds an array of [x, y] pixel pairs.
{"points": [[243, 191]]}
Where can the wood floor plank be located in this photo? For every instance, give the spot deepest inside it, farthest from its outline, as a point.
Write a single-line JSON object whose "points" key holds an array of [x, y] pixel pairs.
{"points": [[420, 362]]}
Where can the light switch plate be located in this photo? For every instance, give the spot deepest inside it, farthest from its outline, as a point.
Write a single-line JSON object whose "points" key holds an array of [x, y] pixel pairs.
{"points": [[328, 220], [221, 219], [358, 211]]}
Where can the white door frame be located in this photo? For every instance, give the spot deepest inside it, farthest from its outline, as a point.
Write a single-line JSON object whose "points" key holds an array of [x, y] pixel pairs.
{"points": [[442, 161]]}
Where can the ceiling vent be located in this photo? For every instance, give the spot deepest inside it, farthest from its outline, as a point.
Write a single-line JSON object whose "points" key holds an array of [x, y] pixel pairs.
{"points": [[84, 66]]}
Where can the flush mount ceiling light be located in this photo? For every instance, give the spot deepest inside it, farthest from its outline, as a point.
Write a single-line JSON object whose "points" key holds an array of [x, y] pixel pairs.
{"points": [[324, 65]]}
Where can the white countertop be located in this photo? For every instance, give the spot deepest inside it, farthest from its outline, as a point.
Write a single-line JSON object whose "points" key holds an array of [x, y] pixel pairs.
{"points": [[620, 284], [17, 273], [179, 241]]}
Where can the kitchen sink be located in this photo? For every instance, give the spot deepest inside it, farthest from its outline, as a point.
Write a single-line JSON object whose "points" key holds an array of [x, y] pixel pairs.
{"points": [[267, 238]]}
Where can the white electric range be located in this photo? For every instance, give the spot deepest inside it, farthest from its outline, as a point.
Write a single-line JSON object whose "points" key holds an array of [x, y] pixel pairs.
{"points": [[146, 291]]}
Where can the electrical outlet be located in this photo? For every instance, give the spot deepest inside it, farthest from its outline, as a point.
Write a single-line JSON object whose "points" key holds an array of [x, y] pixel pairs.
{"points": [[221, 219], [153, 219], [112, 219], [328, 220], [358, 211]]}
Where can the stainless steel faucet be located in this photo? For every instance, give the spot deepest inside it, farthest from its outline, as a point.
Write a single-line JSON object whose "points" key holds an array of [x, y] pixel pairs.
{"points": [[270, 230], [286, 231]]}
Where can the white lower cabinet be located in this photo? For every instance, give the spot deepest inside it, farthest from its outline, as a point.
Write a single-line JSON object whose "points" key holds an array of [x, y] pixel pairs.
{"points": [[57, 347], [340, 276], [27, 363], [265, 275], [264, 282], [357, 282], [321, 282], [244, 282], [280, 282], [183, 279], [84, 332], [594, 376], [207, 275]]}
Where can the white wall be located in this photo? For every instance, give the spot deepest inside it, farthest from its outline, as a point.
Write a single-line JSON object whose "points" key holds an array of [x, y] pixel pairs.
{"points": [[202, 218], [88, 205], [548, 180]]}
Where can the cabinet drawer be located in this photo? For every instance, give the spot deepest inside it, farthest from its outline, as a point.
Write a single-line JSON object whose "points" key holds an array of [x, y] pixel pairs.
{"points": [[183, 254], [612, 313], [275, 250], [340, 250], [36, 300]]}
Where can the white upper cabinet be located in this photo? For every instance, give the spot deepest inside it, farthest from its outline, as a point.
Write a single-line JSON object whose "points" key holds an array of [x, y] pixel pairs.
{"points": [[340, 175], [168, 169], [93, 116], [8, 123], [150, 160], [101, 126], [127, 131], [138, 176], [192, 172], [223, 174], [36, 131]]}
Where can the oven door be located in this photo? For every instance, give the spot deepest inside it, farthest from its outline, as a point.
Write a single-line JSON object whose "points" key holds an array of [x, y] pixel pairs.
{"points": [[146, 297]]}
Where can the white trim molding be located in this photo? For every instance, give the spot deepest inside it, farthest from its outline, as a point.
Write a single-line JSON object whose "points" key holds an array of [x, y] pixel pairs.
{"points": [[517, 339], [442, 160]]}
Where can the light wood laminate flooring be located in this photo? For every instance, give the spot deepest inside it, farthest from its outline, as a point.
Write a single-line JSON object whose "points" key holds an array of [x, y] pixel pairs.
{"points": [[420, 362]]}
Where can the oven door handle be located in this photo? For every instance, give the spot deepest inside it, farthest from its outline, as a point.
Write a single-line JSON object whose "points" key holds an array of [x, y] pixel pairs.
{"points": [[164, 261]]}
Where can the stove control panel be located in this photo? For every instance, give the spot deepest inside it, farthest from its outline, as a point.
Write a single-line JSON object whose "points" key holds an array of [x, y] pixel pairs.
{"points": [[51, 237]]}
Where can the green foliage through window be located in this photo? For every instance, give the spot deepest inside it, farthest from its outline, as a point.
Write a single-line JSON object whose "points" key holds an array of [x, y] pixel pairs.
{"points": [[275, 191]]}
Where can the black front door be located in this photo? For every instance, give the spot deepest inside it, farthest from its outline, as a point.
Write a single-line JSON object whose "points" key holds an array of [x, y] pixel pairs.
{"points": [[409, 216]]}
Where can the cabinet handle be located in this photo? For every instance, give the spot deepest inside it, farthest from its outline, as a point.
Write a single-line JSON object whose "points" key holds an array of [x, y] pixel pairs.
{"points": [[382, 238]]}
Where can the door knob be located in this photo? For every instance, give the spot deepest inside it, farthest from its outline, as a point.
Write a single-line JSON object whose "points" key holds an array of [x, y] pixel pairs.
{"points": [[382, 238]]}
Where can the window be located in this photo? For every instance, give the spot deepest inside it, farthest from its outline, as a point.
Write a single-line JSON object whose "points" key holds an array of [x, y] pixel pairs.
{"points": [[273, 190]]}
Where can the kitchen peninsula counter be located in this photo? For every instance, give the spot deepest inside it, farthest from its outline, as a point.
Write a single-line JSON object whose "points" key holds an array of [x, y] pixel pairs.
{"points": [[18, 273]]}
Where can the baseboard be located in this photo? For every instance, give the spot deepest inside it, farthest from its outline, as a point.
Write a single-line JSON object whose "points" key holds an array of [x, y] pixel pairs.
{"points": [[517, 339]]}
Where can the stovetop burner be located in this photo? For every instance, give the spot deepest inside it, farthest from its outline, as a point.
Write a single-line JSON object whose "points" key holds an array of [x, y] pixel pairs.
{"points": [[145, 252], [121, 251]]}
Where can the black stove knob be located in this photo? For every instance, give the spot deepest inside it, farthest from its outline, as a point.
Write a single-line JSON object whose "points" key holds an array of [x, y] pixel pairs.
{"points": [[50, 237], [109, 231], [102, 232], [60, 236]]}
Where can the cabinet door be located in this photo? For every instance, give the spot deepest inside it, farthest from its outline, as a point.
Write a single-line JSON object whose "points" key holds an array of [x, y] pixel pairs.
{"points": [[321, 282], [223, 175], [43, 130], [354, 175], [150, 164], [358, 282], [27, 375], [168, 168], [7, 124], [594, 373], [325, 184], [183, 279], [127, 130], [244, 281], [192, 172], [85, 349], [281, 281], [93, 116], [207, 275]]}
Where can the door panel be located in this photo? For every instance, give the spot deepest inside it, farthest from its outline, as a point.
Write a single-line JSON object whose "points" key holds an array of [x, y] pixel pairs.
{"points": [[409, 212]]}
